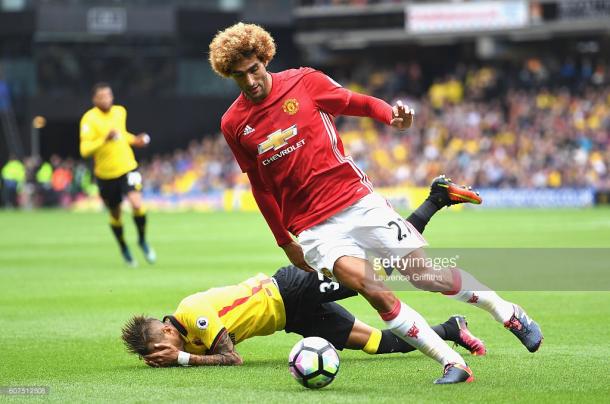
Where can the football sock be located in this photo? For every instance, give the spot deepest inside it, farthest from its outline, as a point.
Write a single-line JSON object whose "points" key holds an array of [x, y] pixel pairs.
{"points": [[422, 215], [117, 230], [373, 345], [447, 331], [410, 326], [384, 341], [139, 218], [469, 290]]}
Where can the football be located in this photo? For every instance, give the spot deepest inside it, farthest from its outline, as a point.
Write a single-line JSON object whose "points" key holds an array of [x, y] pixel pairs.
{"points": [[313, 362]]}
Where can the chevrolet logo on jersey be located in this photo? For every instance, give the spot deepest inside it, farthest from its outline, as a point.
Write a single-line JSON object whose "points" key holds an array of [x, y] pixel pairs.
{"points": [[277, 139]]}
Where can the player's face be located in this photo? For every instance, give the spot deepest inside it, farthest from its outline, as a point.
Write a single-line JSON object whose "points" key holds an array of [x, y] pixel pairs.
{"points": [[252, 77], [171, 336], [103, 98]]}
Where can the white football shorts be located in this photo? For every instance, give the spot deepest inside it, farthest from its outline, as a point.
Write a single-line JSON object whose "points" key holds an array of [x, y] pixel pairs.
{"points": [[369, 229]]}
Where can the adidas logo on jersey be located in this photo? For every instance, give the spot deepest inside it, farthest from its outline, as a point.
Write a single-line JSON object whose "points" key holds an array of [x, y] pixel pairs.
{"points": [[248, 130]]}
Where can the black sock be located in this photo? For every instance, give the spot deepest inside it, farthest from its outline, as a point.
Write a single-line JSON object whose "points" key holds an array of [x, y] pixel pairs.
{"points": [[140, 222], [391, 343], [441, 331], [422, 215], [118, 234], [450, 329]]}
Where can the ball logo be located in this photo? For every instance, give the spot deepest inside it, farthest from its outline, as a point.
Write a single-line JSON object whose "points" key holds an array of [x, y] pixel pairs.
{"points": [[202, 323], [291, 106]]}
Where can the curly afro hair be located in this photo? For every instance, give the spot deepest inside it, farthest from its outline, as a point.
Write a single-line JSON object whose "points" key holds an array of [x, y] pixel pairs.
{"points": [[239, 41]]}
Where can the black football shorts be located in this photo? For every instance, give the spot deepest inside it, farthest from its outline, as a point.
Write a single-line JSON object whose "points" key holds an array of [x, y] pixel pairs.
{"points": [[113, 190], [311, 311]]}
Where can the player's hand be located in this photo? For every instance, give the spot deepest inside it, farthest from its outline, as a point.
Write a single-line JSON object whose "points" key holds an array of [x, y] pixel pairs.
{"points": [[112, 135], [164, 356], [402, 116], [294, 252], [142, 140]]}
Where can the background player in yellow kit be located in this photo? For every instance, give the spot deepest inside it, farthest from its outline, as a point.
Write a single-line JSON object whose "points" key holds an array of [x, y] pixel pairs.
{"points": [[103, 135], [205, 327]]}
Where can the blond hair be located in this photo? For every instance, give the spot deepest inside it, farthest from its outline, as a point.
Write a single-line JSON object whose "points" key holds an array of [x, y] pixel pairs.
{"points": [[239, 41]]}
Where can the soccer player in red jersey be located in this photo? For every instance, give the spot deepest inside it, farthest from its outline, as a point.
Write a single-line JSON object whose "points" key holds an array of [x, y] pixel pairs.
{"points": [[281, 130]]}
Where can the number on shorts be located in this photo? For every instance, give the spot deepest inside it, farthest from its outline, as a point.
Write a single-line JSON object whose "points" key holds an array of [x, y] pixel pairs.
{"points": [[396, 224], [326, 286], [134, 179]]}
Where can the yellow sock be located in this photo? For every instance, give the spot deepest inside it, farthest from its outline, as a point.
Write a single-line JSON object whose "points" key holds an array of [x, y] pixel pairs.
{"points": [[372, 345], [115, 222]]}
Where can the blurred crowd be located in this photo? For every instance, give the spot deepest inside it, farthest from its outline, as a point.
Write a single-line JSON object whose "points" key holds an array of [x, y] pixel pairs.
{"points": [[533, 126], [536, 125], [36, 183]]}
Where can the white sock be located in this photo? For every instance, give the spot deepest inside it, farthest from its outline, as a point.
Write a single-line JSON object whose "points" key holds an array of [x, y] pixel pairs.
{"points": [[474, 292], [410, 326]]}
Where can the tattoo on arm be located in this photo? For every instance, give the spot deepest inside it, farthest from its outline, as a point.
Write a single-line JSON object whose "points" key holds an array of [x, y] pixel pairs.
{"points": [[224, 354]]}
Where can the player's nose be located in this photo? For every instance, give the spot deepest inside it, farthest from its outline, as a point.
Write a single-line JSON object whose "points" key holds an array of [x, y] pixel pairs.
{"points": [[250, 80]]}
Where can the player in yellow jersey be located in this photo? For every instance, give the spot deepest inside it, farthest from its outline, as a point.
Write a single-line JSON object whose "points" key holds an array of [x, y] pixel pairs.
{"points": [[205, 327], [104, 136]]}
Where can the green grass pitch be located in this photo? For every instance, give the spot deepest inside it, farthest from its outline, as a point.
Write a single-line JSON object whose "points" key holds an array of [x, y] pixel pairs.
{"points": [[65, 295]]}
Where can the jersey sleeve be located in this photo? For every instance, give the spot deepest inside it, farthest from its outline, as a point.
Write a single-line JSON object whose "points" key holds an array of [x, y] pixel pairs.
{"points": [[131, 138], [328, 95], [204, 324], [365, 105], [246, 162], [270, 209], [89, 142]]}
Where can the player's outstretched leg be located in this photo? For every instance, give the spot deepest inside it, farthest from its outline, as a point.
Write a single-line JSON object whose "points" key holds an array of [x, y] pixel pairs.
{"points": [[460, 285], [443, 192], [378, 342], [357, 274], [469, 290], [117, 229]]}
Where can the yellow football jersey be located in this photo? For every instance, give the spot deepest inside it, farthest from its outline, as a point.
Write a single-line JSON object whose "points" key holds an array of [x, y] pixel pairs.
{"points": [[252, 308], [113, 158]]}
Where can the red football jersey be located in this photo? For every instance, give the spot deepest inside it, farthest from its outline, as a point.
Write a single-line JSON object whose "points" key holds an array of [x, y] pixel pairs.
{"points": [[291, 140]]}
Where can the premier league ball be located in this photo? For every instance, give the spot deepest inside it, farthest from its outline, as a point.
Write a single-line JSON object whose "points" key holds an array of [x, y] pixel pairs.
{"points": [[313, 362]]}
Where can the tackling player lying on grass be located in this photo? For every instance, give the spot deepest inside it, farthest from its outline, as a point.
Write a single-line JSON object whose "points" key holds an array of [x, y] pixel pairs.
{"points": [[207, 325]]}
